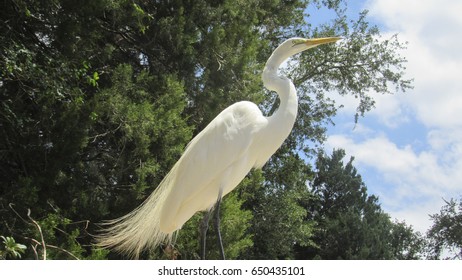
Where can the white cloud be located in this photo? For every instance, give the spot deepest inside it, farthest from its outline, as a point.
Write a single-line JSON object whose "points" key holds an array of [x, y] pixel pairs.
{"points": [[389, 110], [432, 28], [412, 184]]}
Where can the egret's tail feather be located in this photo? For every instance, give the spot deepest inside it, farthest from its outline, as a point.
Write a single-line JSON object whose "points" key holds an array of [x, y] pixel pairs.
{"points": [[139, 229]]}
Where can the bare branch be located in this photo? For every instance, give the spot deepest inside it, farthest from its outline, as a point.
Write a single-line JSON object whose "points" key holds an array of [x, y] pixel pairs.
{"points": [[63, 250], [49, 246], [17, 214], [34, 248], [44, 246]]}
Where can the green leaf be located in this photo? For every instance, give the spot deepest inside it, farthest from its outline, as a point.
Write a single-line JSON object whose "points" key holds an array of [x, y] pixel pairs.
{"points": [[95, 76]]}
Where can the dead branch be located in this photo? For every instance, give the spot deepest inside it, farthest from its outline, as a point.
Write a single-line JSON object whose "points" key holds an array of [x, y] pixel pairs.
{"points": [[44, 246]]}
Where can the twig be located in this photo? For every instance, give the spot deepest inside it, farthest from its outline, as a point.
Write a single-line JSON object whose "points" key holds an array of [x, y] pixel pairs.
{"points": [[49, 246], [87, 222], [105, 133], [34, 248], [17, 214], [42, 243], [63, 250], [44, 246]]}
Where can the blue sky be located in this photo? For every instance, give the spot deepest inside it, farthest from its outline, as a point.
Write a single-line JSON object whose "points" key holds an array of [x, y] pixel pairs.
{"points": [[409, 148]]}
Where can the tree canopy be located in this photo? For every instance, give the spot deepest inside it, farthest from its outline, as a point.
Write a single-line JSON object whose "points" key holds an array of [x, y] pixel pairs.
{"points": [[445, 235], [99, 98]]}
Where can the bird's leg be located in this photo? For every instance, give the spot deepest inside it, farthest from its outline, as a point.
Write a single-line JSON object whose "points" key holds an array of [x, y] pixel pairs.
{"points": [[217, 226], [204, 227]]}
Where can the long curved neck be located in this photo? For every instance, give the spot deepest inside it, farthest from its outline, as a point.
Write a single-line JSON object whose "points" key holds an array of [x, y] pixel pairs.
{"points": [[287, 111]]}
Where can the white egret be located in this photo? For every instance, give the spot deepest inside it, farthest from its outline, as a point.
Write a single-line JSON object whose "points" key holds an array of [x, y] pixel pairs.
{"points": [[214, 162]]}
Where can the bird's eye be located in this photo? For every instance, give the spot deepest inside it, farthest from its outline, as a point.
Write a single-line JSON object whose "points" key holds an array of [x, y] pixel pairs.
{"points": [[297, 42]]}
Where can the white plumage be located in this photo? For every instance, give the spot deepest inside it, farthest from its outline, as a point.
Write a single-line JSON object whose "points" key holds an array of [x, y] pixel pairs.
{"points": [[214, 162]]}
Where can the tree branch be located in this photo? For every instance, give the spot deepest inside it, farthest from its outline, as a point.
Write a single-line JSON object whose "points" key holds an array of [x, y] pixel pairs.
{"points": [[50, 246], [44, 246]]}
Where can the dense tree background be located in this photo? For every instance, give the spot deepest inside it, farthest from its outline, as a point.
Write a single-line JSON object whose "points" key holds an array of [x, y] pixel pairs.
{"points": [[99, 98]]}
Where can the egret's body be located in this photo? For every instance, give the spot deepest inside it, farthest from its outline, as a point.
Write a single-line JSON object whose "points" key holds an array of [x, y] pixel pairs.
{"points": [[215, 161]]}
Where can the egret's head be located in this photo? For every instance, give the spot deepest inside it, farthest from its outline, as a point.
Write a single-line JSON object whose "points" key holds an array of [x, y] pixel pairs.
{"points": [[296, 45], [293, 46]]}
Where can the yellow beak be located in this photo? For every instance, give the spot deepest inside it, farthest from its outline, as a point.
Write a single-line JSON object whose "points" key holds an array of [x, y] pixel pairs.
{"points": [[321, 41]]}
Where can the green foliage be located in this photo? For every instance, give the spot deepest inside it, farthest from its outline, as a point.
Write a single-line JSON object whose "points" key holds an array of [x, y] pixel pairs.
{"points": [[97, 254], [445, 235], [351, 224], [234, 227], [406, 244], [280, 218], [11, 248]]}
